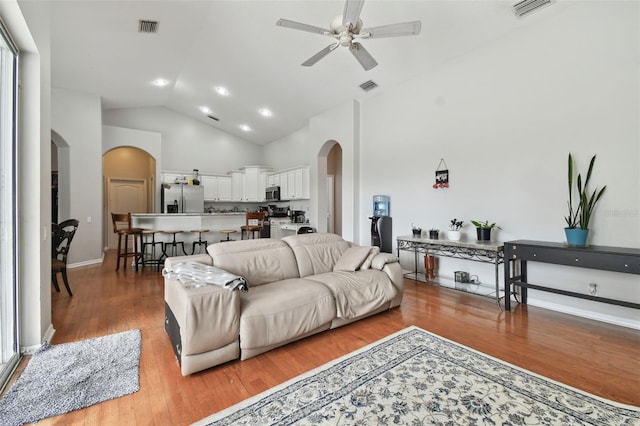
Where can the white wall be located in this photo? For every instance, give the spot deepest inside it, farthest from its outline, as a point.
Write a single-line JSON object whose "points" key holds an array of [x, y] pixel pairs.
{"points": [[290, 151], [187, 143], [77, 118], [34, 179], [504, 117]]}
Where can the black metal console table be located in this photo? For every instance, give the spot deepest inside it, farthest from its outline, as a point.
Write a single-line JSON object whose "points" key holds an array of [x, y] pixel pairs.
{"points": [[518, 253], [488, 252]]}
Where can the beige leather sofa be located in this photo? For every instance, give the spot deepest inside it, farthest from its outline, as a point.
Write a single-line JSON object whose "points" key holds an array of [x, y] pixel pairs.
{"points": [[298, 286]]}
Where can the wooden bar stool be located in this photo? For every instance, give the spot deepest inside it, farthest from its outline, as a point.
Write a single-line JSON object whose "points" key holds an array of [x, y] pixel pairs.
{"points": [[199, 242], [122, 227], [173, 244], [152, 259], [254, 223], [227, 231]]}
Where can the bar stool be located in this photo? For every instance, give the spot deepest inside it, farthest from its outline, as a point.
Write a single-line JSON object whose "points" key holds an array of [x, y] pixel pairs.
{"points": [[173, 244], [122, 227], [153, 259], [227, 231], [199, 242], [254, 223]]}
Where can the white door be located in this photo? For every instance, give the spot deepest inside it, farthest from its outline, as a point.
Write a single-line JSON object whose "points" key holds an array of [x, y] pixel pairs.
{"points": [[331, 225], [124, 196]]}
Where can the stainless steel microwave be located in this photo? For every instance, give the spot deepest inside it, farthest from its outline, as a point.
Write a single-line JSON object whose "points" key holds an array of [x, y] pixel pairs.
{"points": [[272, 193]]}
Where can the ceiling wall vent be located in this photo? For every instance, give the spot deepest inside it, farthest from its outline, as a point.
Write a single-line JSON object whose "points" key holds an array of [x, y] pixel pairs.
{"points": [[526, 6], [368, 85], [146, 26], [213, 118]]}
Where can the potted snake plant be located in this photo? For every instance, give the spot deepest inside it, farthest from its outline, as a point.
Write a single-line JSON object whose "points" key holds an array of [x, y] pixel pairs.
{"points": [[579, 216]]}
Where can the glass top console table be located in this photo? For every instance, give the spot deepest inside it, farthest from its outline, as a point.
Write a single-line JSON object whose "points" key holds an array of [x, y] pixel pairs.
{"points": [[478, 251]]}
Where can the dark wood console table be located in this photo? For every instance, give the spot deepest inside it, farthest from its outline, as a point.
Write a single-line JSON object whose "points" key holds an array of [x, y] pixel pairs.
{"points": [[518, 253]]}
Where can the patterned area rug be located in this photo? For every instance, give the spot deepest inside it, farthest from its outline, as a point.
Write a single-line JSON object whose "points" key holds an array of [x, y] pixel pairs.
{"points": [[414, 377], [70, 376]]}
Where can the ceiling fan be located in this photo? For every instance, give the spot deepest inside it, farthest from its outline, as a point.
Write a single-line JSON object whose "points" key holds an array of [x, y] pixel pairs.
{"points": [[347, 28]]}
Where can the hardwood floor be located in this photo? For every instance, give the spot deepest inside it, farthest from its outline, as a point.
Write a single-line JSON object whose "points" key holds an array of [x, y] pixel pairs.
{"points": [[596, 357]]}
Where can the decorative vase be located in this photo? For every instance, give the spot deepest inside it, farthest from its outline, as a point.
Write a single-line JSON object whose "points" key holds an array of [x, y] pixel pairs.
{"points": [[576, 236], [454, 235], [484, 234], [429, 266]]}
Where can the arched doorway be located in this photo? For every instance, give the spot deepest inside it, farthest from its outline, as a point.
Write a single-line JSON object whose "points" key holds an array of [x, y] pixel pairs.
{"points": [[128, 180], [60, 179], [330, 187]]}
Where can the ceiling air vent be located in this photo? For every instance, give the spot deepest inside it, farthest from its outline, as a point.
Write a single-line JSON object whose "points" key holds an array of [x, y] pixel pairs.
{"points": [[526, 6], [213, 118], [368, 85], [145, 26]]}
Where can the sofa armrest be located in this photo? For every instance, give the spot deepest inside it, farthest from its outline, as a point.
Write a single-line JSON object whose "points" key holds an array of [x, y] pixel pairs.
{"points": [[382, 259], [208, 315], [204, 258]]}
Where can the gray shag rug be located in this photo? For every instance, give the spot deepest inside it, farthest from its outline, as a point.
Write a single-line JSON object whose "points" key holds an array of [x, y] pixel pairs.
{"points": [[70, 376]]}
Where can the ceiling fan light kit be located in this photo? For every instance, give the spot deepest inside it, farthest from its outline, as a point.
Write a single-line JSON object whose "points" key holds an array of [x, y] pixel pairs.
{"points": [[348, 27]]}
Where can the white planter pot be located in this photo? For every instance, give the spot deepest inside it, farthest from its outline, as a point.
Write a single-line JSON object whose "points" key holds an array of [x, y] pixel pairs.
{"points": [[454, 235]]}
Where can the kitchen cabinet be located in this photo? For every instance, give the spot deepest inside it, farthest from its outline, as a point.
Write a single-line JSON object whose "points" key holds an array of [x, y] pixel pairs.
{"points": [[273, 179], [237, 185], [173, 177], [294, 183], [216, 188]]}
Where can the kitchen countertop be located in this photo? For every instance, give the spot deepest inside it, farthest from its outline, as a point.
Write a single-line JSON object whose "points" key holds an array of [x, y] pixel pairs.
{"points": [[186, 214]]}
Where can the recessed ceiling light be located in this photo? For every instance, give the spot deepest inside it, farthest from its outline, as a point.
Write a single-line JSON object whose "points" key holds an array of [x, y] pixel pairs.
{"points": [[160, 82], [245, 128], [265, 112], [205, 109], [222, 91]]}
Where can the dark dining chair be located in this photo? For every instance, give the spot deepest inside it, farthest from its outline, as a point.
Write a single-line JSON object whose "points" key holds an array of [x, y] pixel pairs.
{"points": [[61, 237]]}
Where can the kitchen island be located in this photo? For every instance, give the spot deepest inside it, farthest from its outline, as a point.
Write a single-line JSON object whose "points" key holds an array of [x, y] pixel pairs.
{"points": [[188, 222]]}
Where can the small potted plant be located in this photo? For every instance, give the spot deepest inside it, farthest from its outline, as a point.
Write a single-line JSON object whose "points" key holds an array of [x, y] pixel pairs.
{"points": [[483, 229], [417, 231], [433, 233], [455, 232], [577, 229]]}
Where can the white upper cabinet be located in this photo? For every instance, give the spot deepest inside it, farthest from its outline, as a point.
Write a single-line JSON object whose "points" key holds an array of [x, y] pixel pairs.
{"points": [[216, 188], [294, 183], [237, 185]]}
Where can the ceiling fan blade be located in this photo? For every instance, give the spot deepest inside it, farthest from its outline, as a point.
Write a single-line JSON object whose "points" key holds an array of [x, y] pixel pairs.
{"points": [[363, 56], [321, 54], [392, 30], [352, 9], [302, 27]]}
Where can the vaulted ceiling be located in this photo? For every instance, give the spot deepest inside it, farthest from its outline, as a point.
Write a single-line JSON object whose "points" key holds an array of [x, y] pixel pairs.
{"points": [[200, 45]]}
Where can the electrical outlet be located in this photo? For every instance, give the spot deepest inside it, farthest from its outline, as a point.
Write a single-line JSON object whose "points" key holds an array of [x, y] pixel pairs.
{"points": [[593, 289], [88, 219]]}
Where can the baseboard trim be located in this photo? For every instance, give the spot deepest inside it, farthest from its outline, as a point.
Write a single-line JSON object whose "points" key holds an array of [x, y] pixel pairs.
{"points": [[48, 335], [85, 263], [610, 319]]}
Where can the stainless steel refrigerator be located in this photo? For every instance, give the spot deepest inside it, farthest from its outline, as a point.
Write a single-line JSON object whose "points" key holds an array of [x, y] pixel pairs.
{"points": [[181, 198]]}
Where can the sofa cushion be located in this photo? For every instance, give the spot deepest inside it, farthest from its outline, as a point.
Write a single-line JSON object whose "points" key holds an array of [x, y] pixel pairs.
{"points": [[259, 261], [316, 253], [282, 310], [352, 259], [357, 293], [372, 254]]}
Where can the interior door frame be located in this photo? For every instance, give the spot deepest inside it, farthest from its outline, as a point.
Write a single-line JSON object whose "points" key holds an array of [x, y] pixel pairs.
{"points": [[109, 181]]}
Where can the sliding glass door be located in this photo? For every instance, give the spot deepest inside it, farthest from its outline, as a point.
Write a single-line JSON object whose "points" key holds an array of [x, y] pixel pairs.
{"points": [[9, 354]]}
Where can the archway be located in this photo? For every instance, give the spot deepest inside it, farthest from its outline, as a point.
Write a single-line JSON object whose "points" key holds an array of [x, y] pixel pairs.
{"points": [[60, 178], [128, 175], [330, 188]]}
